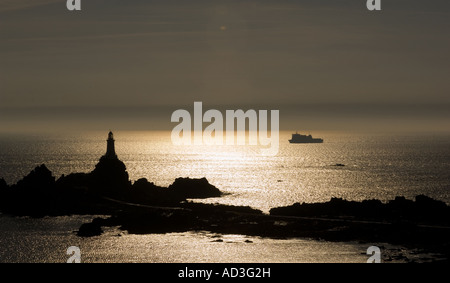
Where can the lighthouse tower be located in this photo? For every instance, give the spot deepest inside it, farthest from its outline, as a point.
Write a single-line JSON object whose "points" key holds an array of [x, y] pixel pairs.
{"points": [[110, 151]]}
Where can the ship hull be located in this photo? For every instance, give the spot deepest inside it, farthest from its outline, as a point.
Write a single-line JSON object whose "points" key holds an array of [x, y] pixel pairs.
{"points": [[310, 141]]}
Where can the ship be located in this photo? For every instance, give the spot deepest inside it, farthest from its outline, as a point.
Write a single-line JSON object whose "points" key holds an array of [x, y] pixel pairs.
{"points": [[298, 138]]}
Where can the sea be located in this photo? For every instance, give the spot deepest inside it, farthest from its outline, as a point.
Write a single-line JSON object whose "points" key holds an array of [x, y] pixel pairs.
{"points": [[352, 166]]}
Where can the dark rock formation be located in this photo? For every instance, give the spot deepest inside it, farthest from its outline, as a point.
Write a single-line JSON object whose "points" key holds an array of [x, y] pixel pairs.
{"points": [[194, 188], [35, 192], [74, 181], [103, 190], [143, 191], [91, 229], [423, 210], [39, 180], [39, 194], [110, 177], [3, 185]]}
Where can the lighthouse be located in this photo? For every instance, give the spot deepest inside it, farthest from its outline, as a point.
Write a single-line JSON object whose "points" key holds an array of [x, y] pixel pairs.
{"points": [[110, 151], [110, 176]]}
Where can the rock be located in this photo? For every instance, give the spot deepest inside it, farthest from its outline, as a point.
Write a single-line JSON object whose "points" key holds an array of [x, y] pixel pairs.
{"points": [[40, 179], [194, 188], [73, 180], [89, 230], [145, 192], [3, 185], [143, 186], [39, 194], [429, 203], [110, 176]]}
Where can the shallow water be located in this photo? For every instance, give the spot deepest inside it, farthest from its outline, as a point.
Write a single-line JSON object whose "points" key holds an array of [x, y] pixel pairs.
{"points": [[46, 240]]}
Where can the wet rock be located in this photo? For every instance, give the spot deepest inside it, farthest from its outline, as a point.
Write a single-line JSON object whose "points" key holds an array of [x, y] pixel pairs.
{"points": [[110, 176], [339, 165], [194, 188], [3, 185], [91, 229], [38, 180]]}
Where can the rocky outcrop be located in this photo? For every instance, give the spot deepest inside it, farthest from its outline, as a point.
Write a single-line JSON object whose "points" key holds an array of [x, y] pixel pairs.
{"points": [[3, 185], [90, 229], [40, 194], [39, 180], [110, 177], [35, 192], [143, 191], [194, 188], [103, 190], [422, 209]]}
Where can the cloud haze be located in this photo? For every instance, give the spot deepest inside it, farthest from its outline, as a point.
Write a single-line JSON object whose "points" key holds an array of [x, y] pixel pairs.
{"points": [[118, 56]]}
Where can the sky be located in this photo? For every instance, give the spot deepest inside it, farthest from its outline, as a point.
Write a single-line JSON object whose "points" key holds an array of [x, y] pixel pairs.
{"points": [[325, 64]]}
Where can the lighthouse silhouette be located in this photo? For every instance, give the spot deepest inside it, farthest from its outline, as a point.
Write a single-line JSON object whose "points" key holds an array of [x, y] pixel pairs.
{"points": [[110, 176], [110, 150]]}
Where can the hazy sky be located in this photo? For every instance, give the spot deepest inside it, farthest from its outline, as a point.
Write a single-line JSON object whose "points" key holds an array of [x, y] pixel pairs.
{"points": [[129, 64]]}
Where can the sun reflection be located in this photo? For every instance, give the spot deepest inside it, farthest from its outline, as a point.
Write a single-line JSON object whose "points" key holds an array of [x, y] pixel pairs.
{"points": [[298, 173]]}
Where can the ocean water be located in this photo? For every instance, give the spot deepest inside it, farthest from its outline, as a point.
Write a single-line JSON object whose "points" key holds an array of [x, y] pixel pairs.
{"points": [[376, 166], [46, 240]]}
